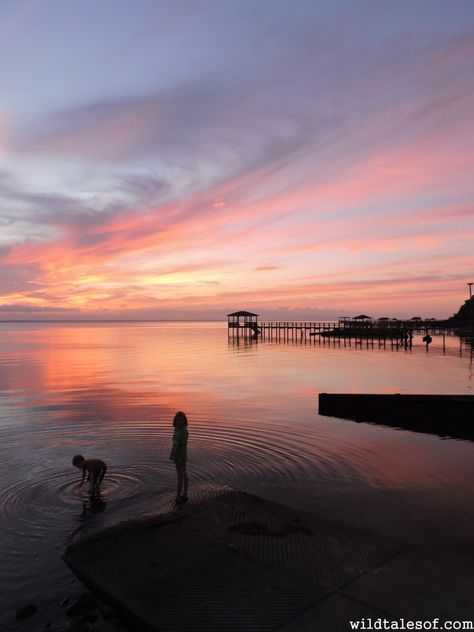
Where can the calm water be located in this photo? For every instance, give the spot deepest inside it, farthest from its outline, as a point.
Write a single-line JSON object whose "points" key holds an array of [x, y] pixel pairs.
{"points": [[111, 390]]}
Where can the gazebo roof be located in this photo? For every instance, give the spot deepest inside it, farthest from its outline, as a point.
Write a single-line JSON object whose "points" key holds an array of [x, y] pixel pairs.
{"points": [[362, 317], [242, 313]]}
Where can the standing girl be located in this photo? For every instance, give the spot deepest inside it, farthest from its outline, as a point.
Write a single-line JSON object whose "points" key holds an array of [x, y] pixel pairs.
{"points": [[179, 454]]}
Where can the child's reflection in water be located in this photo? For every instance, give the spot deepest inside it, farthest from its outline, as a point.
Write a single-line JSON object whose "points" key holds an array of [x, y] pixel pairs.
{"points": [[95, 504]]}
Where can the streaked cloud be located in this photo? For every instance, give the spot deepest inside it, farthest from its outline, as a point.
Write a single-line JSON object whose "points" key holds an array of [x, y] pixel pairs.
{"points": [[318, 158]]}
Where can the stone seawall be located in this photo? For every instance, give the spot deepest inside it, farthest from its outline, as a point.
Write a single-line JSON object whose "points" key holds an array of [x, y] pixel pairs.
{"points": [[444, 415]]}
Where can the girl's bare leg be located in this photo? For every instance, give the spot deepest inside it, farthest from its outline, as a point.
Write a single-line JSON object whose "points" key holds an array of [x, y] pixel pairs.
{"points": [[179, 472], [101, 476], [182, 491], [185, 482]]}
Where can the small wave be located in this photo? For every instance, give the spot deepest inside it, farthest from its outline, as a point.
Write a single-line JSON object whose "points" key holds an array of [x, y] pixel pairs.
{"points": [[38, 506]]}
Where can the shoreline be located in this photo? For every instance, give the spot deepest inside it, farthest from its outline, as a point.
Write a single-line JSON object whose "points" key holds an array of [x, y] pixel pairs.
{"points": [[53, 610], [239, 561]]}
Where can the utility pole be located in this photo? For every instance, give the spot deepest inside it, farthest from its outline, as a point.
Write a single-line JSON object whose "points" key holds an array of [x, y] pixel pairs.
{"points": [[470, 306]]}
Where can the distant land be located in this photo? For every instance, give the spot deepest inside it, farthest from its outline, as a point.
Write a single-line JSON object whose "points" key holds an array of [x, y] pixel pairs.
{"points": [[464, 315]]}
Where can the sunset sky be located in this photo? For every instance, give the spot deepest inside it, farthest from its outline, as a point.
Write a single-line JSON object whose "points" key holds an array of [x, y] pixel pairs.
{"points": [[184, 159]]}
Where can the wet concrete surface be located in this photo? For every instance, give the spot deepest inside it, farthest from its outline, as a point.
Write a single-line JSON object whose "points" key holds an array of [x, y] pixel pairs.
{"points": [[228, 560]]}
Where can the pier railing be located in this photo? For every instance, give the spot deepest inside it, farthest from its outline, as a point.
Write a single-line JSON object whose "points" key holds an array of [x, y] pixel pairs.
{"points": [[379, 333]]}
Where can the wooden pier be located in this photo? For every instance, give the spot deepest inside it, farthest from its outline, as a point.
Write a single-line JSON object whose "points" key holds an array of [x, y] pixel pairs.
{"points": [[362, 331]]}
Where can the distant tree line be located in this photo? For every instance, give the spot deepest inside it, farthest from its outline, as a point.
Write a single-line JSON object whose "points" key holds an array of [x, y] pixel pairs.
{"points": [[464, 313]]}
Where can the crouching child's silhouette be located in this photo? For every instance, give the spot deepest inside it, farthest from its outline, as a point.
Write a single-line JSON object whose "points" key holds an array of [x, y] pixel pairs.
{"points": [[92, 469]]}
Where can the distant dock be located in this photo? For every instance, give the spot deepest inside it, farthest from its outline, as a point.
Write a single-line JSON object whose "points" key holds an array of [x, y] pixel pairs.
{"points": [[361, 330]]}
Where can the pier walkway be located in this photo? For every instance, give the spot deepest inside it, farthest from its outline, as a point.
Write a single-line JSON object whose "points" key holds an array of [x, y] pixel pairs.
{"points": [[360, 330]]}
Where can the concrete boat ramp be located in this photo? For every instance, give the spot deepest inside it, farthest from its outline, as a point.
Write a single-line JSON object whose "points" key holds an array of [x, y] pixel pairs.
{"points": [[228, 560]]}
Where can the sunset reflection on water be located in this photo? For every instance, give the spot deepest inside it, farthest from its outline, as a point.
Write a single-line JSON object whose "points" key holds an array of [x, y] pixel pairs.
{"points": [[111, 390]]}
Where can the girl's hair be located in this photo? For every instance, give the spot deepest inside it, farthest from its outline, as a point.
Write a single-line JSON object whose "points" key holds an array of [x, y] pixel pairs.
{"points": [[180, 416], [78, 459]]}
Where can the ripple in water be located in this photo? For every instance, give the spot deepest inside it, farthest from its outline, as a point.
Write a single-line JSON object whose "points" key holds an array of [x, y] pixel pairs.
{"points": [[36, 507]]}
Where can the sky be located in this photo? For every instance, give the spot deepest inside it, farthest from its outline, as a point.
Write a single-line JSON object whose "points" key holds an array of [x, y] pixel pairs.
{"points": [[190, 158]]}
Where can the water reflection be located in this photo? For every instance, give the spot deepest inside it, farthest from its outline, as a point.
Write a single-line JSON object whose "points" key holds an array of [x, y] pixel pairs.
{"points": [[111, 391], [438, 343], [93, 505]]}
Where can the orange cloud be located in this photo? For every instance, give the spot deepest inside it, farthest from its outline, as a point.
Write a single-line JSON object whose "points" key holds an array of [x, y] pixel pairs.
{"points": [[352, 219]]}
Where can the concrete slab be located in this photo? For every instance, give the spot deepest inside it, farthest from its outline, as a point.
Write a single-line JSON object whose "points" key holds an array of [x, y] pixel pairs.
{"points": [[418, 585], [334, 614], [444, 415], [226, 560], [311, 547], [204, 586]]}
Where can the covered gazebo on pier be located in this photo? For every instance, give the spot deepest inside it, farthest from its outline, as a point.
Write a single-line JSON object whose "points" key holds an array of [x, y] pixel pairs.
{"points": [[243, 320]]}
